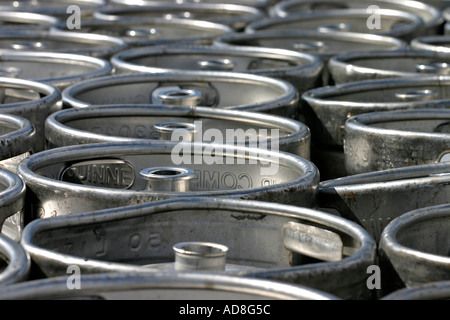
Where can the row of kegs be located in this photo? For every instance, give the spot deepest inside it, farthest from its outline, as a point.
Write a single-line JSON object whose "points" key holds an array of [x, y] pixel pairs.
{"points": [[200, 150]]}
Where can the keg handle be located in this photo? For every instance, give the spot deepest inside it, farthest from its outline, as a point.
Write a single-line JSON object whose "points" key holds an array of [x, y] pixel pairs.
{"points": [[176, 96], [332, 27], [167, 129], [417, 95], [217, 64], [433, 67], [170, 179], [310, 46], [11, 72], [200, 256], [315, 242]]}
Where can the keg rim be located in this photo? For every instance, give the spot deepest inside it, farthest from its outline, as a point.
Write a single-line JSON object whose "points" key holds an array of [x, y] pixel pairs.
{"points": [[27, 166], [436, 17], [348, 61], [19, 261], [416, 22], [56, 122], [366, 250], [290, 94], [312, 64], [117, 281], [392, 247]]}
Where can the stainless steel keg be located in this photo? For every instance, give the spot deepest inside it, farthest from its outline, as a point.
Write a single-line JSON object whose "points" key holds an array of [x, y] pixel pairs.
{"points": [[417, 245], [229, 90], [95, 176], [393, 23], [263, 240], [57, 69], [13, 20], [154, 31], [234, 16], [260, 4], [439, 290], [61, 9], [163, 286], [432, 43], [360, 66], [332, 106], [320, 44], [15, 262], [324, 45], [431, 16], [31, 100], [384, 140], [374, 199], [131, 123], [94, 45], [302, 70], [12, 203]]}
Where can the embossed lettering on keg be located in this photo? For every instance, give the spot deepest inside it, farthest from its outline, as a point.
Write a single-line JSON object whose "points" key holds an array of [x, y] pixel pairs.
{"points": [[431, 16], [109, 173], [12, 203], [31, 100], [163, 286], [237, 91], [300, 69], [375, 198], [395, 23], [360, 66], [131, 123], [157, 31], [57, 69], [95, 45], [270, 241], [233, 15], [417, 246], [395, 139], [17, 260]]}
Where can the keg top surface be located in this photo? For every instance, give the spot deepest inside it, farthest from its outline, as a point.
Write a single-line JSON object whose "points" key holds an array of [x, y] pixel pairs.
{"points": [[228, 211], [421, 234], [51, 67], [383, 92], [431, 15], [153, 31], [395, 23], [54, 168], [321, 44], [390, 63], [217, 89], [230, 14], [198, 58], [61, 41], [97, 123]]}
